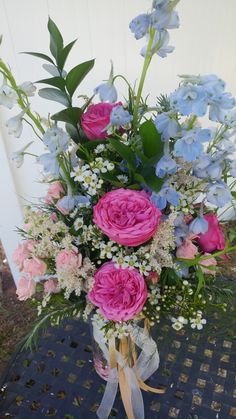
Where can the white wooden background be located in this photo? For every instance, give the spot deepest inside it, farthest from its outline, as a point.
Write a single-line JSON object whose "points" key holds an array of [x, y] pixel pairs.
{"points": [[204, 43]]}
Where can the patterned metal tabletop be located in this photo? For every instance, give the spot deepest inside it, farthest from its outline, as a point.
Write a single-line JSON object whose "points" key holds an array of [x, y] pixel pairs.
{"points": [[58, 379]]}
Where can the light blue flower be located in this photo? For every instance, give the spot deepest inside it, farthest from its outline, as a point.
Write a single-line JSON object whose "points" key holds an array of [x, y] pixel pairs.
{"points": [[189, 147], [219, 105], [107, 91], [190, 99], [50, 163], [164, 18], [198, 226], [232, 170], [166, 125], [212, 84], [218, 194], [166, 166], [166, 195], [56, 140], [140, 25], [182, 271], [8, 96], [119, 117], [160, 45], [200, 165], [214, 170]]}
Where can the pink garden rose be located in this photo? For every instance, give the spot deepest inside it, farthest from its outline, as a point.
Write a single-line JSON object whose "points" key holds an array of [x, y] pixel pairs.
{"points": [[34, 266], [51, 286], [22, 252], [25, 288], [95, 120], [119, 293], [187, 250], [55, 191], [214, 238], [127, 217], [208, 262], [68, 258]]}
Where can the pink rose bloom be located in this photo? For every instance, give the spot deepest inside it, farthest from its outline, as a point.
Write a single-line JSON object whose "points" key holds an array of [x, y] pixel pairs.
{"points": [[127, 217], [68, 258], [55, 191], [95, 120], [208, 262], [34, 266], [214, 238], [51, 286], [22, 252], [187, 250], [25, 288], [119, 293]]}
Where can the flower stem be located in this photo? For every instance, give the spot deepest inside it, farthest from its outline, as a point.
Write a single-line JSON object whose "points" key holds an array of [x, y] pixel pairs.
{"points": [[146, 64]]}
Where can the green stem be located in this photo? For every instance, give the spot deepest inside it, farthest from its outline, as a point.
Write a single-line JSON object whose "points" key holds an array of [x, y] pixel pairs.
{"points": [[66, 174], [146, 64]]}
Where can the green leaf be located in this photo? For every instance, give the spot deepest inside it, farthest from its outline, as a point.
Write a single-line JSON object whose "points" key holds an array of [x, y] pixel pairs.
{"points": [[56, 40], [69, 115], [39, 55], [54, 81], [152, 144], [62, 55], [124, 151], [151, 180], [77, 74], [73, 132], [54, 94]]}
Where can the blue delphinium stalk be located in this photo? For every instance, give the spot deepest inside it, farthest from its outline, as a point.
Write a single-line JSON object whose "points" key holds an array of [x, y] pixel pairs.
{"points": [[107, 91], [120, 117]]}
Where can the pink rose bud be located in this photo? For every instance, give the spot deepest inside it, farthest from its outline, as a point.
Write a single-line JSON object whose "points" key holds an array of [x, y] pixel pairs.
{"points": [[214, 238], [95, 120], [22, 252], [127, 217], [25, 288], [119, 293], [68, 258], [34, 266], [187, 250], [51, 286], [208, 262], [55, 191]]}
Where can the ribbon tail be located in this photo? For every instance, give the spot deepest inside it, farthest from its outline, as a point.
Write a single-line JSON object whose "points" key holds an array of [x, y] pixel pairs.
{"points": [[108, 399]]}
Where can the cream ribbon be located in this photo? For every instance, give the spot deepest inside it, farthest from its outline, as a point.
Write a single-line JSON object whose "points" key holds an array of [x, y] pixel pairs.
{"points": [[129, 378]]}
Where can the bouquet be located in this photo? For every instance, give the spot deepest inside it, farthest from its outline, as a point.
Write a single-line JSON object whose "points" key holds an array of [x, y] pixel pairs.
{"points": [[128, 231]]}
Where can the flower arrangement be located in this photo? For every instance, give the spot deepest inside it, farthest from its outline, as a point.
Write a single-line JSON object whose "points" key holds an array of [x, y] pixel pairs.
{"points": [[128, 230]]}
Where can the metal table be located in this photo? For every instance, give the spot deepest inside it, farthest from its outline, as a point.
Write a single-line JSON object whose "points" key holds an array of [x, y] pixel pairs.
{"points": [[58, 379]]}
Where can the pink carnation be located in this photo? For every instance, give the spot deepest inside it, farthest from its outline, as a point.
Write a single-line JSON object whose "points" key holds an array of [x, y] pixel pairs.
{"points": [[208, 262], [214, 238], [51, 286], [119, 293], [34, 266], [187, 250], [95, 120], [25, 288], [55, 191], [22, 252], [127, 217], [68, 258]]}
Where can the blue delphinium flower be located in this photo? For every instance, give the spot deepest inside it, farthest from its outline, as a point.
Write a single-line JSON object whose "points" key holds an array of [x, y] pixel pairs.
{"points": [[56, 140], [181, 229], [164, 18], [214, 170], [218, 194], [198, 225], [213, 85], [50, 163], [166, 166], [160, 45], [189, 147], [166, 195], [190, 99], [119, 117], [232, 170], [200, 165], [140, 25], [166, 125], [182, 271], [68, 202], [219, 105], [107, 91]]}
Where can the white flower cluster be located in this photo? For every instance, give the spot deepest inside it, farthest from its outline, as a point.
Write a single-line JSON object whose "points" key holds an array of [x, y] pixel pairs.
{"points": [[88, 174], [39, 224], [119, 329], [132, 261], [74, 279]]}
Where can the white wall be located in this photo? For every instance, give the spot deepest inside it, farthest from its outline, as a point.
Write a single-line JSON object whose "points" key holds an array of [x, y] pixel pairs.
{"points": [[204, 43]]}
